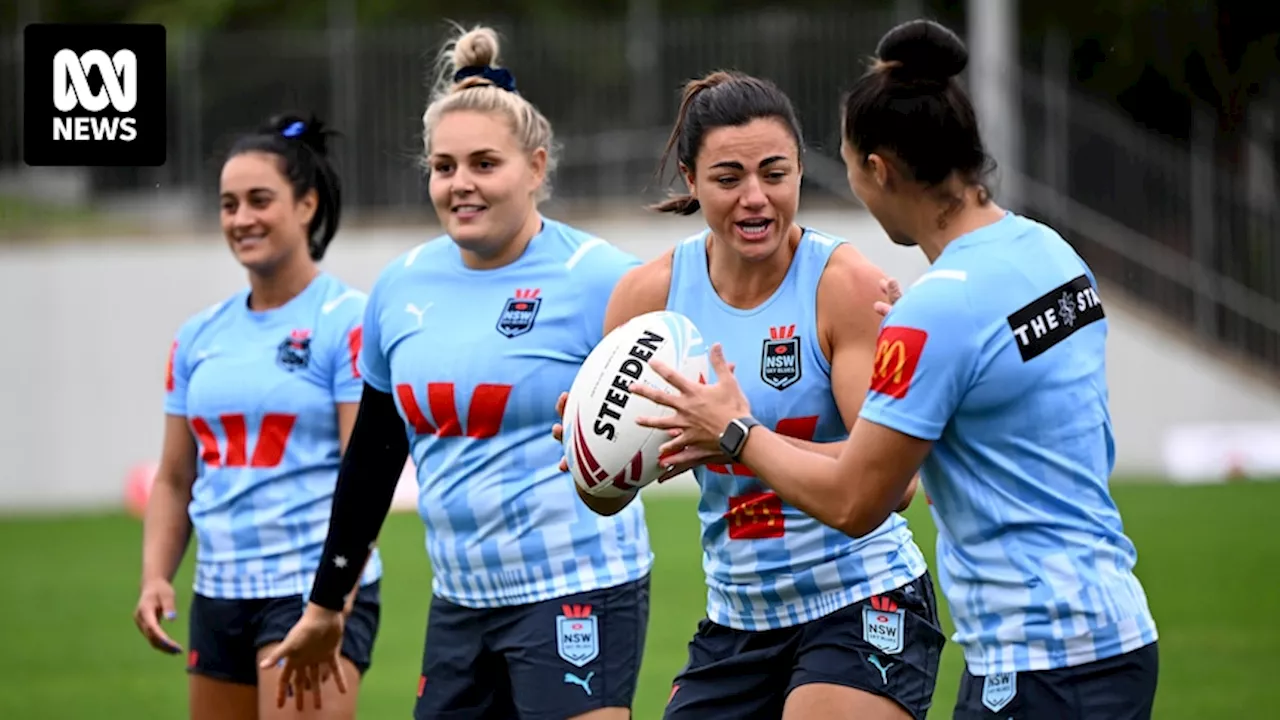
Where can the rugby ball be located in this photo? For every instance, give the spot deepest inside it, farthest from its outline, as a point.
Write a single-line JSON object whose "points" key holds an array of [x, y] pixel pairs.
{"points": [[608, 454]]}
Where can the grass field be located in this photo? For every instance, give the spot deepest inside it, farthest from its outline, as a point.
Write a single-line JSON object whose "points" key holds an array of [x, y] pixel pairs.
{"points": [[1207, 555]]}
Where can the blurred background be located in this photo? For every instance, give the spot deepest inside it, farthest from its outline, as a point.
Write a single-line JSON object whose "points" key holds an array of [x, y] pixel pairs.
{"points": [[1147, 132]]}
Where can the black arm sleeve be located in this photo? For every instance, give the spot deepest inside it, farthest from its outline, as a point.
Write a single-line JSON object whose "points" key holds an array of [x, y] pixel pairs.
{"points": [[367, 482]]}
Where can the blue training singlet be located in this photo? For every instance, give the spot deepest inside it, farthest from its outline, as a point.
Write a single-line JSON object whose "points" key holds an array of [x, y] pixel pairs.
{"points": [[768, 565]]}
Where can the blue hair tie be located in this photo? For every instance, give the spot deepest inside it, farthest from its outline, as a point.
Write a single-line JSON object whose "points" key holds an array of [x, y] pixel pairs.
{"points": [[294, 129], [501, 77]]}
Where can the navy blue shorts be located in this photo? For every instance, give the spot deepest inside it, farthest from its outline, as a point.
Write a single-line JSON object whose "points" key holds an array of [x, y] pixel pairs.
{"points": [[1117, 688], [552, 659], [225, 634], [887, 645]]}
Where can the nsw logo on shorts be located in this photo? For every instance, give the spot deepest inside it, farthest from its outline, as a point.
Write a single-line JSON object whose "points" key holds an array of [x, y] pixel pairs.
{"points": [[577, 635], [882, 624], [998, 690]]}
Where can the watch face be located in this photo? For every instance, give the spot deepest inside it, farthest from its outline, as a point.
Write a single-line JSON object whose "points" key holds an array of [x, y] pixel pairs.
{"points": [[731, 440]]}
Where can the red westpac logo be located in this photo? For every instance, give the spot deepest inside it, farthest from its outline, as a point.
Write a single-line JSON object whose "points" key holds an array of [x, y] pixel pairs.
{"points": [[884, 605], [575, 611]]}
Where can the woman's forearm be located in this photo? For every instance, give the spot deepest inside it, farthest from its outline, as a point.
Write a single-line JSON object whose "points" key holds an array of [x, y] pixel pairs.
{"points": [[166, 530]]}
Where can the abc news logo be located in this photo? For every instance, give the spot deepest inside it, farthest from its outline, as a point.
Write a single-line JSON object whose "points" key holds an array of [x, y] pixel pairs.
{"points": [[94, 95], [71, 90]]}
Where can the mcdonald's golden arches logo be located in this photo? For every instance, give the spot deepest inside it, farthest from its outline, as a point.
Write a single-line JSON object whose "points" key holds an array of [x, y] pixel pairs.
{"points": [[897, 354]]}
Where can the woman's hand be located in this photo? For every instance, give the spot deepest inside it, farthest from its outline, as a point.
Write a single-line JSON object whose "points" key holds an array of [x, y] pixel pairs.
{"points": [[702, 412], [893, 290], [310, 654], [156, 602], [557, 430]]}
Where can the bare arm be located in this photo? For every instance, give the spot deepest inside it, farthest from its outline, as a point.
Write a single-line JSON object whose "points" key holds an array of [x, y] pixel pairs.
{"points": [[847, 293], [346, 422], [849, 324], [166, 528], [884, 461], [643, 289], [832, 450]]}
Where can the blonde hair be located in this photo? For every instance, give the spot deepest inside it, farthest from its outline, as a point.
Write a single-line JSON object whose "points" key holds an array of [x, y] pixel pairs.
{"points": [[478, 47]]}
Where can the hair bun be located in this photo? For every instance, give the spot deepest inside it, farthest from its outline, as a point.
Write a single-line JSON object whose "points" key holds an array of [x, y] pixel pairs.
{"points": [[308, 130], [923, 49], [477, 47]]}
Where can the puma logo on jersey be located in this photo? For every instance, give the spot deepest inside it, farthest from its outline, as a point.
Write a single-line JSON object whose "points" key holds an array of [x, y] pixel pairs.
{"points": [[417, 313]]}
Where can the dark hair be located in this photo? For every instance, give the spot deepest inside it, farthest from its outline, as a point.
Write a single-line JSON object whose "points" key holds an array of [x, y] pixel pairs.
{"points": [[910, 104], [301, 143], [721, 99]]}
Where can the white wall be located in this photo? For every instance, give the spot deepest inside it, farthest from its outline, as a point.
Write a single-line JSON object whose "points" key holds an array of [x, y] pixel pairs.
{"points": [[87, 328]]}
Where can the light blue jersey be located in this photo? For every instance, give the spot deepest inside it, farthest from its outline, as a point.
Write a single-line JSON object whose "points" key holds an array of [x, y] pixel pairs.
{"points": [[997, 354], [768, 565], [259, 391], [476, 360]]}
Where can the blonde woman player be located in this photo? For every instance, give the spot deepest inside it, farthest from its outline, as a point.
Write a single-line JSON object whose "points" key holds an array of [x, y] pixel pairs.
{"points": [[539, 606]]}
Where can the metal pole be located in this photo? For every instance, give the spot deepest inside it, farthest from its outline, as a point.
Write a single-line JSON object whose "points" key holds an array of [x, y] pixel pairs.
{"points": [[1056, 79], [993, 79]]}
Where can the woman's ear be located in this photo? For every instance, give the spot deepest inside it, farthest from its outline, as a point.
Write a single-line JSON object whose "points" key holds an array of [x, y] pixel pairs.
{"points": [[689, 179], [880, 170], [538, 163], [306, 209]]}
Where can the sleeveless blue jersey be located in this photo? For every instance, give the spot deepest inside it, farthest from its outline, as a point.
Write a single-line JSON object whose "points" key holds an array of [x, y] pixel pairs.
{"points": [[476, 360], [259, 392], [998, 355], [768, 565]]}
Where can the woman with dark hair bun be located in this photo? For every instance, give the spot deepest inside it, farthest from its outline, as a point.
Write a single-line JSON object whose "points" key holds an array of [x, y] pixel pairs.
{"points": [[260, 398]]}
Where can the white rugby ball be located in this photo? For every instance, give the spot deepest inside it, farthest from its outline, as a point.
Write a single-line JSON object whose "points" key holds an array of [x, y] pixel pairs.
{"points": [[609, 455]]}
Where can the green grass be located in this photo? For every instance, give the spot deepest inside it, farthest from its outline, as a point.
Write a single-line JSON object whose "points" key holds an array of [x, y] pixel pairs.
{"points": [[1206, 554]]}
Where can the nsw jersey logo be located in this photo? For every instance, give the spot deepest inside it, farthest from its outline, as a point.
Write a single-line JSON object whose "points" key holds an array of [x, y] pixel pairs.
{"points": [[577, 636], [519, 312], [295, 351], [882, 624], [780, 358]]}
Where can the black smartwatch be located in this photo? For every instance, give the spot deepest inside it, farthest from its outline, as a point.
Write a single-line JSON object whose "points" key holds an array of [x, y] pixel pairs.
{"points": [[735, 435]]}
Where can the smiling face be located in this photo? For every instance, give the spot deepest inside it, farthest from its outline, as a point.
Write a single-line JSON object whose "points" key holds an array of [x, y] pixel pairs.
{"points": [[747, 180], [263, 223], [483, 184]]}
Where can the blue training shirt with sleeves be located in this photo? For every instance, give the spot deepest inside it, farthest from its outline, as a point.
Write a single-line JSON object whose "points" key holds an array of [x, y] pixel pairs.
{"points": [[997, 354]]}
